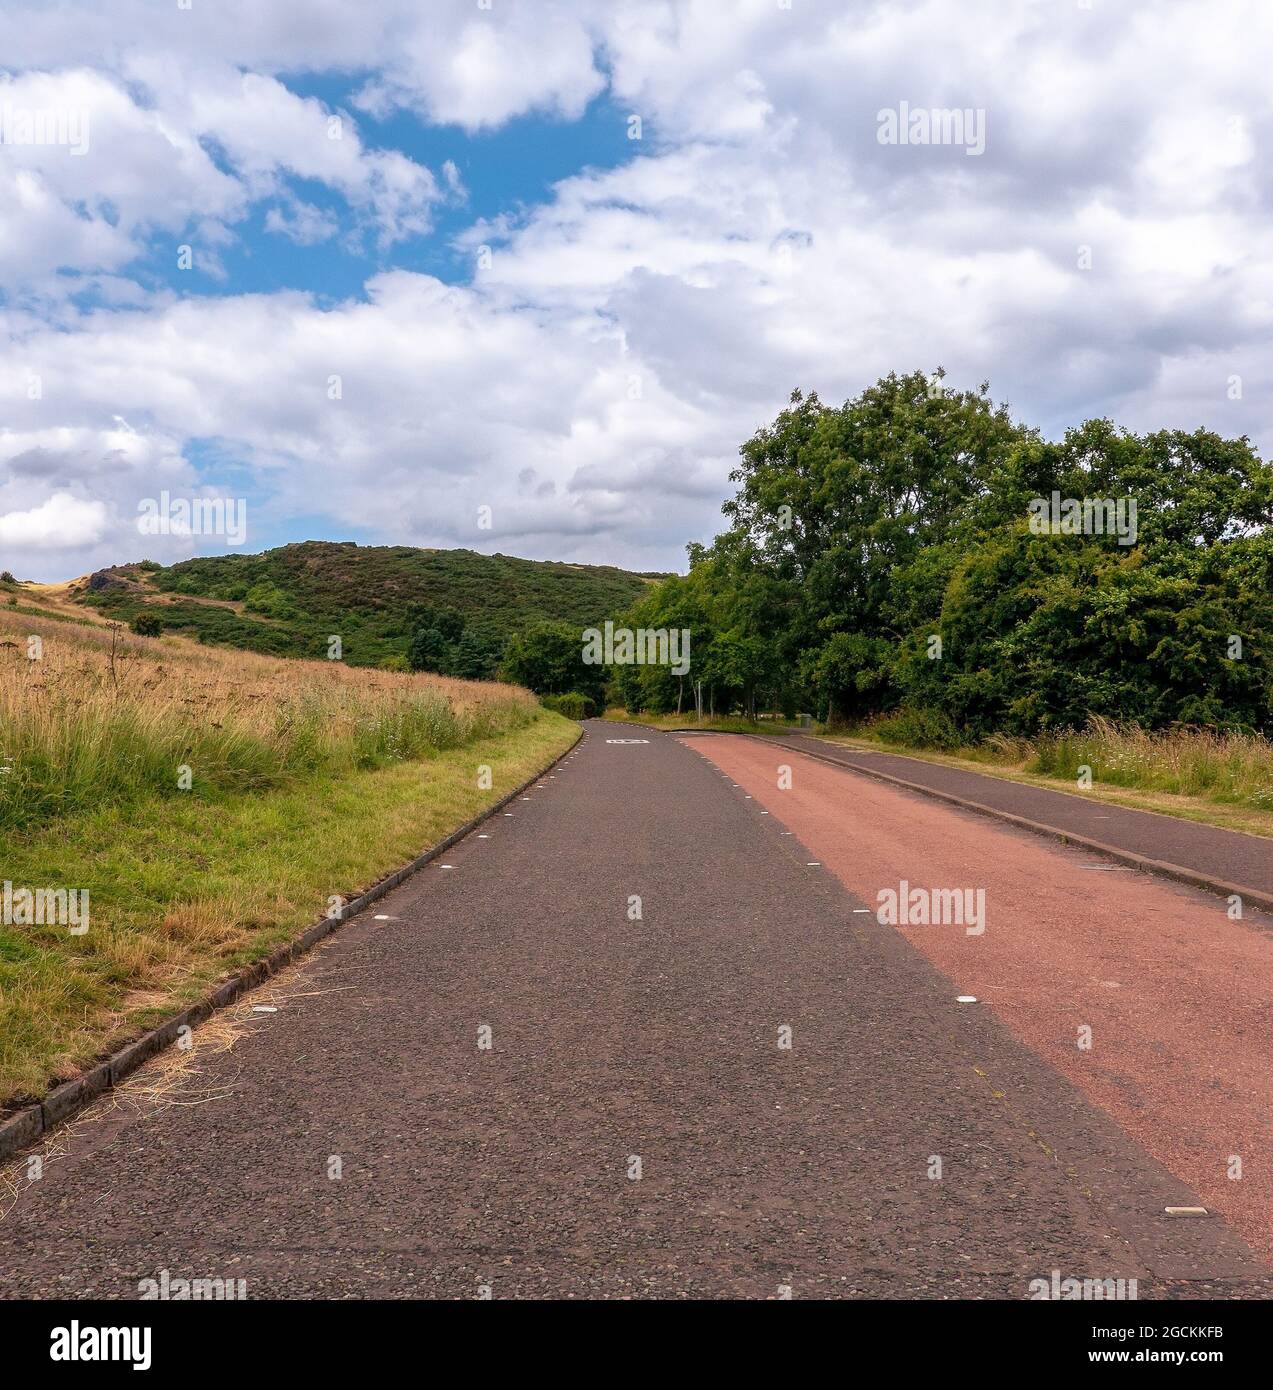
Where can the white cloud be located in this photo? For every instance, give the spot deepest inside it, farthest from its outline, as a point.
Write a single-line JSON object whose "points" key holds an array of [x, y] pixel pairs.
{"points": [[302, 222], [146, 166], [87, 211], [479, 69], [266, 131], [593, 384], [62, 522]]}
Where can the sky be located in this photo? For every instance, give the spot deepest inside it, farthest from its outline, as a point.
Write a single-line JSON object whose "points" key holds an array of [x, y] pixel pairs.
{"points": [[521, 277]]}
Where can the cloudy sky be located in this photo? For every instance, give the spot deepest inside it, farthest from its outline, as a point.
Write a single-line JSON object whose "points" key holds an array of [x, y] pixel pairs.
{"points": [[377, 266]]}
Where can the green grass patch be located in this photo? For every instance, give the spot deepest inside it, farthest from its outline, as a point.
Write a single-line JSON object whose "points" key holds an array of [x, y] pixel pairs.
{"points": [[183, 890]]}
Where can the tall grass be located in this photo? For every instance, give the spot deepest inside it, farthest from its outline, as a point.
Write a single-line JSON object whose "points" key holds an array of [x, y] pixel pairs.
{"points": [[1215, 765], [1233, 768], [106, 718]]}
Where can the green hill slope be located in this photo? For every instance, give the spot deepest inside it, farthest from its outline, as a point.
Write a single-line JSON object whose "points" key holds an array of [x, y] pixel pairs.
{"points": [[289, 601]]}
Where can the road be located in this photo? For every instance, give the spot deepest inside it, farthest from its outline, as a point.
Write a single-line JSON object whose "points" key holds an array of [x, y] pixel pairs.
{"points": [[637, 1127], [1176, 997], [1229, 856]]}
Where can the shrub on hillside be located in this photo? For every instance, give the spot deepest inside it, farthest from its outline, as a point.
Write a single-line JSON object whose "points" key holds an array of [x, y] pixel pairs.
{"points": [[548, 659], [429, 651], [147, 625]]}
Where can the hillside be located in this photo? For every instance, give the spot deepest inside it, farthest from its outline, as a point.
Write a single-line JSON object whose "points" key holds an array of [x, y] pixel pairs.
{"points": [[289, 601]]}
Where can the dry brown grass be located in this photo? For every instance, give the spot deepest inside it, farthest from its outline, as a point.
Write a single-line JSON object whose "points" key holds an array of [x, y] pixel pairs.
{"points": [[103, 716], [224, 682], [310, 780], [1208, 775]]}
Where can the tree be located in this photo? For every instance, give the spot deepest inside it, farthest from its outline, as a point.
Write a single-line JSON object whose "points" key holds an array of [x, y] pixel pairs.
{"points": [[548, 658], [476, 657], [881, 553], [423, 617], [439, 643], [429, 650], [838, 501]]}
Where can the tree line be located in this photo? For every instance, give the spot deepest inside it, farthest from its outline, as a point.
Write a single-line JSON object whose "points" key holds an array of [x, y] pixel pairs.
{"points": [[920, 555]]}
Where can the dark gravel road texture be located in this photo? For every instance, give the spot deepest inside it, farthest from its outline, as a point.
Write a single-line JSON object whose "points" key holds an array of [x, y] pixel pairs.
{"points": [[762, 1168], [1229, 855]]}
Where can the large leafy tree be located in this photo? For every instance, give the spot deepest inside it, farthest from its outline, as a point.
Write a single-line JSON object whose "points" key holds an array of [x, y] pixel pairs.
{"points": [[741, 616], [548, 658], [879, 552], [842, 501]]}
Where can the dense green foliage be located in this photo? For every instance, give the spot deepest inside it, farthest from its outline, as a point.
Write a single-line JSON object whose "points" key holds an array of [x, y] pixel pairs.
{"points": [[548, 658], [882, 558], [289, 601], [441, 641], [572, 705]]}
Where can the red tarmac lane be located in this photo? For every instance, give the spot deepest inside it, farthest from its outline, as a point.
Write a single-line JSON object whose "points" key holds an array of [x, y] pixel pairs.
{"points": [[1141, 991], [627, 1041], [1228, 856]]}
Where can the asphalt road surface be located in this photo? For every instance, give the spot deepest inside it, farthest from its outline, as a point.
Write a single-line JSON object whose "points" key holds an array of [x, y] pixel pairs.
{"points": [[637, 1126]]}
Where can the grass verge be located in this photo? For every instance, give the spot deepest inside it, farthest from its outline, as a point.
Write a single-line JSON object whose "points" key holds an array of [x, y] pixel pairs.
{"points": [[1141, 775], [183, 891]]}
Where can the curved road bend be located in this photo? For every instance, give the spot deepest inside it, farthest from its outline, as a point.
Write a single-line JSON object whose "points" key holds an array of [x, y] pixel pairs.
{"points": [[761, 1168]]}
